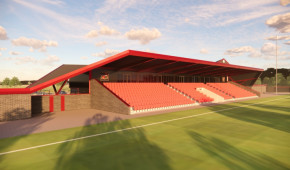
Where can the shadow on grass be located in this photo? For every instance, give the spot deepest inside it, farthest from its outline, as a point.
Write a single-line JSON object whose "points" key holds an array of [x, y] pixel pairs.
{"points": [[232, 157], [128, 149], [13, 131], [261, 114]]}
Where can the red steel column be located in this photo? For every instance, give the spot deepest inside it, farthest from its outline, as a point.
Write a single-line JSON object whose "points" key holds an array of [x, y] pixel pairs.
{"points": [[62, 103], [50, 103], [90, 77]]}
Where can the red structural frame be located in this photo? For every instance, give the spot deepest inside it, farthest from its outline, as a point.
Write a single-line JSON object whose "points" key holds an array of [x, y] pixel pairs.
{"points": [[118, 56], [51, 107], [62, 103]]}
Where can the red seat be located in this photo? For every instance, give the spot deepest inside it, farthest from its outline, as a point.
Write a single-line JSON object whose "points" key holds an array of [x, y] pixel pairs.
{"points": [[147, 95]]}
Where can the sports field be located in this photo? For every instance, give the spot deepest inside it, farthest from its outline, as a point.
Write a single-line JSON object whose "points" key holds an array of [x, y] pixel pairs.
{"points": [[253, 134]]}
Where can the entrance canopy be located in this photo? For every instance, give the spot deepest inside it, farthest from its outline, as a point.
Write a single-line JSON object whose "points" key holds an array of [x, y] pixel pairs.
{"points": [[138, 61]]}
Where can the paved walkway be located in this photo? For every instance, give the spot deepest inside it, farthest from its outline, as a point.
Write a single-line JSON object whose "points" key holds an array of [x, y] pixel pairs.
{"points": [[68, 119]]}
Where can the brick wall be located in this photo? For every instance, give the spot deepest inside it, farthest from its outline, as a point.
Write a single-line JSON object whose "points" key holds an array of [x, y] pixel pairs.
{"points": [[15, 106], [102, 99], [40, 104], [79, 101], [21, 106]]}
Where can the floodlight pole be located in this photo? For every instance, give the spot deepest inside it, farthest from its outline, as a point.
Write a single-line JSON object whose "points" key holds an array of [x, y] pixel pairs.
{"points": [[276, 62]]}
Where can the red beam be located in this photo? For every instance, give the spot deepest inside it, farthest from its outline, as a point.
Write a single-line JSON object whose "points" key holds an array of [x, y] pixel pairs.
{"points": [[192, 69], [150, 68], [215, 71], [202, 70], [175, 68], [15, 91], [198, 69], [61, 87], [221, 72], [134, 65]]}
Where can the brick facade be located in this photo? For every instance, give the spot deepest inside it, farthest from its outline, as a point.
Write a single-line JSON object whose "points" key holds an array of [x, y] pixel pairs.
{"points": [[40, 104], [102, 99], [21, 106], [15, 106], [79, 101]]}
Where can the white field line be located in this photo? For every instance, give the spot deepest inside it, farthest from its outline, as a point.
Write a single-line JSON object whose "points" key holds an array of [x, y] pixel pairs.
{"points": [[135, 127]]}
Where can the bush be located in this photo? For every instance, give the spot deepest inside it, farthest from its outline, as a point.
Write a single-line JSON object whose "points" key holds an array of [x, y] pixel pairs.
{"points": [[14, 82], [6, 82]]}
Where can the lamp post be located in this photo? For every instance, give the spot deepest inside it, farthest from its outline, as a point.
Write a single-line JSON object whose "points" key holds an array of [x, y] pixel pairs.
{"points": [[276, 63]]}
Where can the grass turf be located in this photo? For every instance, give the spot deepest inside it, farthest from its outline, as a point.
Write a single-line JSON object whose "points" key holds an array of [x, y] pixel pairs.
{"points": [[252, 137]]}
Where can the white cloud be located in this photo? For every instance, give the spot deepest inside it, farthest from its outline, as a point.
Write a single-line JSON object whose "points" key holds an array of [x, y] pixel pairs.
{"points": [[116, 5], [204, 51], [34, 43], [284, 2], [92, 34], [104, 30], [8, 58], [284, 37], [84, 57], [143, 35], [150, 51], [14, 53], [287, 43], [255, 54], [26, 59], [268, 51], [240, 51], [280, 22], [53, 2], [3, 34], [221, 13], [0, 54], [106, 53], [3, 49], [101, 43], [49, 18], [49, 60]]}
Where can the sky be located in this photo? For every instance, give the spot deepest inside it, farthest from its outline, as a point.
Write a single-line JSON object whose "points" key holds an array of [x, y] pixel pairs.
{"points": [[37, 36]]}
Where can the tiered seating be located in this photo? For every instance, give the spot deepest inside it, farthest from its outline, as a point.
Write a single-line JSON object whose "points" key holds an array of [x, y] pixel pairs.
{"points": [[214, 90], [218, 92], [190, 90], [232, 90], [148, 95]]}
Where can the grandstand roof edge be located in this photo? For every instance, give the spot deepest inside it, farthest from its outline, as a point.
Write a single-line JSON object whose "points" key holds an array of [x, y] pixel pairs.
{"points": [[113, 58]]}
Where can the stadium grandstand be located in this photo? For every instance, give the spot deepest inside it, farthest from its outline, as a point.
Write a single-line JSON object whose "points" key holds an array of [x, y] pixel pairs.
{"points": [[131, 82]]}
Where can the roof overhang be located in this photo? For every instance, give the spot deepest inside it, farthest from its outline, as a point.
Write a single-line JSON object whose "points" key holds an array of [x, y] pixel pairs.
{"points": [[138, 61]]}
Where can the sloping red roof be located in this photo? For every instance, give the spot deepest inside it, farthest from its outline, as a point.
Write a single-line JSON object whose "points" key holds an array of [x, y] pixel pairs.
{"points": [[143, 62]]}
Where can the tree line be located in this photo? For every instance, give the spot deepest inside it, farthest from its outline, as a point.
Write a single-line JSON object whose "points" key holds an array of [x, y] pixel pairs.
{"points": [[14, 81]]}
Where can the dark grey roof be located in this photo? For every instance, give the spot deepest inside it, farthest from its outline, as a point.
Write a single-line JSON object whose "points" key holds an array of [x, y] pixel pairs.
{"points": [[61, 70]]}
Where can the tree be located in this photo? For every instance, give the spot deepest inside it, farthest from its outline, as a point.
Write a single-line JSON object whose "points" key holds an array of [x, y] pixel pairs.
{"points": [[258, 81], [14, 81], [6, 81]]}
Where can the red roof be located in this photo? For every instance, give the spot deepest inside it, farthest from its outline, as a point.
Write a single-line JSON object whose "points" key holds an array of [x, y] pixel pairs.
{"points": [[145, 62]]}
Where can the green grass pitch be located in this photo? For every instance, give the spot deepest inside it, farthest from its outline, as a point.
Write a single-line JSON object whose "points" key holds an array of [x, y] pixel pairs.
{"points": [[256, 136]]}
